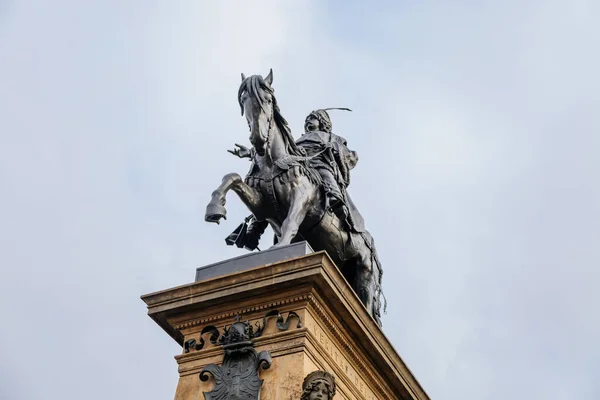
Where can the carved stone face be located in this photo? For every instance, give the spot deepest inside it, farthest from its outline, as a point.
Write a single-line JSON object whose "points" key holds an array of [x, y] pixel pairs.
{"points": [[311, 124], [319, 392]]}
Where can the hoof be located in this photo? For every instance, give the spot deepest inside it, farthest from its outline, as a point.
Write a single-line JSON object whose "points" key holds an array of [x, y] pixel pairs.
{"points": [[216, 218], [214, 213]]}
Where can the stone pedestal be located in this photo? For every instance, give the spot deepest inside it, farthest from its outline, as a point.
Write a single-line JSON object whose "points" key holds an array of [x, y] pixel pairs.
{"points": [[308, 319]]}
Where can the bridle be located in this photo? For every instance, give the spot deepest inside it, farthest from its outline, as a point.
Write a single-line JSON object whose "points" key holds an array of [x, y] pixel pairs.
{"points": [[269, 134]]}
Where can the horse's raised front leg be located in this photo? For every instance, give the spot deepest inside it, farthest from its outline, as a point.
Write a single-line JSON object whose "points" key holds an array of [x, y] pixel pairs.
{"points": [[215, 210]]}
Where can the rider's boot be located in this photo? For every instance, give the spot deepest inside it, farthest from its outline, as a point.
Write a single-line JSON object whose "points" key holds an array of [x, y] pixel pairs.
{"points": [[336, 205]]}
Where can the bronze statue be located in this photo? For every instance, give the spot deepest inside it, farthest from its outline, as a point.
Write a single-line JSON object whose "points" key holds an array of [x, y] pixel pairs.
{"points": [[299, 189], [329, 155], [318, 385]]}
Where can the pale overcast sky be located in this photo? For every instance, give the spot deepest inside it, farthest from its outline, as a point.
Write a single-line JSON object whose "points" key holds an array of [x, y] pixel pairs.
{"points": [[477, 125]]}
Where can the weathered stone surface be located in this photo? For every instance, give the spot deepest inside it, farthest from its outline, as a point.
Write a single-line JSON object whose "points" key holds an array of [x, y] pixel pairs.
{"points": [[336, 333]]}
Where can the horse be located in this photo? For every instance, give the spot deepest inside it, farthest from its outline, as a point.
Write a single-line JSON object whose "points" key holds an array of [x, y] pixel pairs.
{"points": [[283, 189]]}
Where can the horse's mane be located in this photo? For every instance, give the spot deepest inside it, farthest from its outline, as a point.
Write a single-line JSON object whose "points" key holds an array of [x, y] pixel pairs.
{"points": [[256, 87]]}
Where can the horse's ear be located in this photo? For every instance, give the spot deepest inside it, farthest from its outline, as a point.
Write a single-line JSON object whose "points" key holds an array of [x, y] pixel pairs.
{"points": [[269, 78], [243, 77]]}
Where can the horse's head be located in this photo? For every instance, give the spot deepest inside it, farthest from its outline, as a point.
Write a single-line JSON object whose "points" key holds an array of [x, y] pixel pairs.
{"points": [[257, 102]]}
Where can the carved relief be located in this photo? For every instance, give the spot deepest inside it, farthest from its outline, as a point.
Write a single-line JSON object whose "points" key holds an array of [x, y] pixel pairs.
{"points": [[191, 344], [237, 378], [282, 324]]}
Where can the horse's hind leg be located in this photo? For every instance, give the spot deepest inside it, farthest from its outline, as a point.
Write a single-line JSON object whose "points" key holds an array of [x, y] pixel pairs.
{"points": [[296, 214], [365, 282]]}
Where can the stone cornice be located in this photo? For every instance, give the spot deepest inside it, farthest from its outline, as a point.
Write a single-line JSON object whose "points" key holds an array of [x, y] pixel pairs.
{"points": [[243, 311]]}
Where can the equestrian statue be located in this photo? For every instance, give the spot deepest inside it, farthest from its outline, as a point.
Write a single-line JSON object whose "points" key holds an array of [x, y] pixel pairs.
{"points": [[299, 189]]}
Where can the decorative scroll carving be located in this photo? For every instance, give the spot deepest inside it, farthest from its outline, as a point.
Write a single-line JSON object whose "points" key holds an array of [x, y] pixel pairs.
{"points": [[199, 346], [283, 326]]}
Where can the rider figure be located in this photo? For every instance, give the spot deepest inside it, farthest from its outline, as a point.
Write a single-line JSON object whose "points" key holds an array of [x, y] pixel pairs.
{"points": [[330, 157]]}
